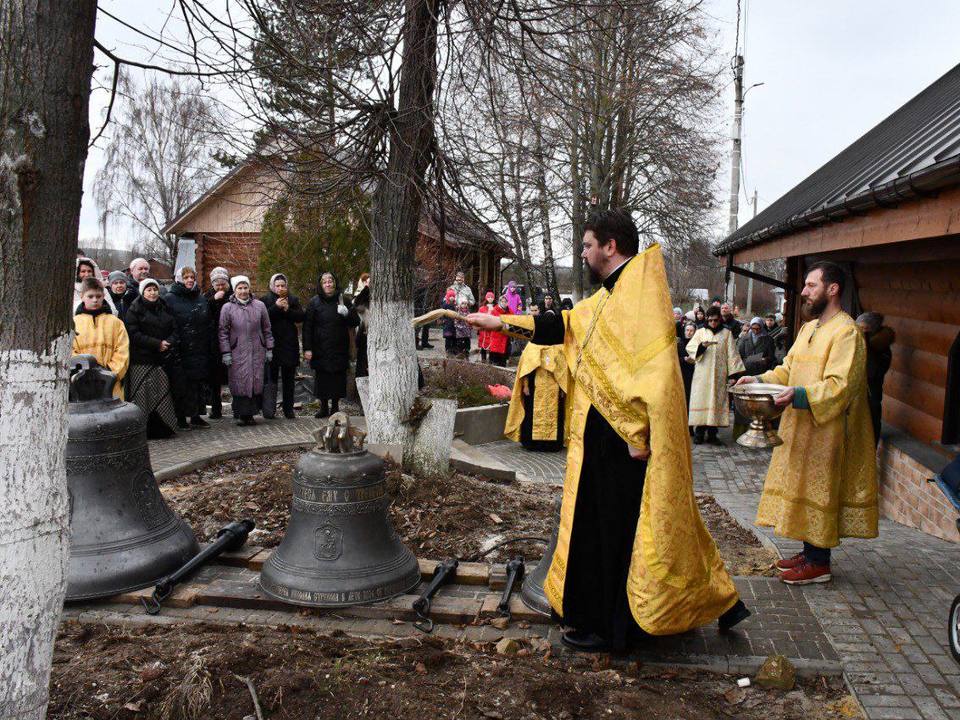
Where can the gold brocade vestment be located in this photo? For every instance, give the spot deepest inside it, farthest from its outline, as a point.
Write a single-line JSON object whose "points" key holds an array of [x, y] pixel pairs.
{"points": [[548, 365], [620, 349], [822, 482]]}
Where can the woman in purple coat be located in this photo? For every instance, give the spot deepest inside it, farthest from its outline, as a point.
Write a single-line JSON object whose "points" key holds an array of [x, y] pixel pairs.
{"points": [[246, 343]]}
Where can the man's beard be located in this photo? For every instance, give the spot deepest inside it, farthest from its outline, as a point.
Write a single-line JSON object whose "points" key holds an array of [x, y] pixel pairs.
{"points": [[593, 275], [814, 308]]}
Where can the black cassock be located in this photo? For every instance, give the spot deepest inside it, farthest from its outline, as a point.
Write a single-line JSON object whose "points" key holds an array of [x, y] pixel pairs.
{"points": [[605, 520], [526, 426]]}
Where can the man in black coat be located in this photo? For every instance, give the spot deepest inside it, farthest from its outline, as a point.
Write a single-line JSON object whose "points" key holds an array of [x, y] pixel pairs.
{"points": [[285, 312], [326, 342], [217, 296]]}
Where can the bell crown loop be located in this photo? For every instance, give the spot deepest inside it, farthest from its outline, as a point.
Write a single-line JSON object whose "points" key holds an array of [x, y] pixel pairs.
{"points": [[89, 381], [339, 436]]}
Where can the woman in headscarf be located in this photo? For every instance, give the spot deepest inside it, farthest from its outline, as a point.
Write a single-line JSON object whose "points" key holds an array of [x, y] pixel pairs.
{"points": [[246, 342], [192, 315], [116, 289], [285, 312], [326, 342], [483, 339], [152, 330], [87, 268]]}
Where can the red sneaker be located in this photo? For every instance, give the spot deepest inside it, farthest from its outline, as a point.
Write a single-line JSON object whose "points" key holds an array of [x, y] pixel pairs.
{"points": [[806, 574], [790, 563]]}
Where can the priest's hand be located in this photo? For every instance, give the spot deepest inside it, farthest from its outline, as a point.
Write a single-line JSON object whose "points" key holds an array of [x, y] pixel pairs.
{"points": [[638, 454], [746, 380], [484, 321], [784, 398]]}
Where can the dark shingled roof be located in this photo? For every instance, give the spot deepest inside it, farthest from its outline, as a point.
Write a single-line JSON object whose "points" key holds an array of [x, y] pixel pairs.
{"points": [[913, 152]]}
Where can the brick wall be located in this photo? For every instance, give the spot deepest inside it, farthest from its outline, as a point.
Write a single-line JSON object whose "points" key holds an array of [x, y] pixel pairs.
{"points": [[907, 498]]}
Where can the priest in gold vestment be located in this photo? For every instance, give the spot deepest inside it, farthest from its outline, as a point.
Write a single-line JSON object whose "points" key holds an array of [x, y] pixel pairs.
{"points": [[537, 414], [822, 482], [633, 555]]}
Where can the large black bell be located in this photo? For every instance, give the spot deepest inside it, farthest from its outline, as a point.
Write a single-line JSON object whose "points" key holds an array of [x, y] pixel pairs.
{"points": [[532, 592], [124, 537], [340, 547]]}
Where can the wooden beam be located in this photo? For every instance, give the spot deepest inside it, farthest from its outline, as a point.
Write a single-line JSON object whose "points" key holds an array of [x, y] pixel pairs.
{"points": [[923, 396], [926, 366], [938, 307], [932, 337], [933, 275], [910, 220], [923, 427]]}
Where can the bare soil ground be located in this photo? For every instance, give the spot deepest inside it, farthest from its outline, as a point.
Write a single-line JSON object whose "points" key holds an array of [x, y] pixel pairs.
{"points": [[462, 515], [202, 671]]}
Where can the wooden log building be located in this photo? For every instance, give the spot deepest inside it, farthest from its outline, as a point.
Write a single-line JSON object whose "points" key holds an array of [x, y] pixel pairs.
{"points": [[225, 222], [888, 210]]}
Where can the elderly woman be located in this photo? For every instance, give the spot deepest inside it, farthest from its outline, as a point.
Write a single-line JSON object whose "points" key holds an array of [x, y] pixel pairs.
{"points": [[246, 343], [192, 314], [326, 342], [153, 358], [285, 313]]}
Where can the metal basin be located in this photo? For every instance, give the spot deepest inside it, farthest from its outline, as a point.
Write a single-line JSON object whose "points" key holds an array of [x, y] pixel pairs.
{"points": [[755, 402]]}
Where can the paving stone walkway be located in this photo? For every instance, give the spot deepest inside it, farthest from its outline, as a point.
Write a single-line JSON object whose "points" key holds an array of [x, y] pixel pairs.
{"points": [[193, 448], [885, 611]]}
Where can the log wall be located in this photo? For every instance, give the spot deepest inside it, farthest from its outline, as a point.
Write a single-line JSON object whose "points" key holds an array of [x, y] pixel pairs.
{"points": [[916, 286]]}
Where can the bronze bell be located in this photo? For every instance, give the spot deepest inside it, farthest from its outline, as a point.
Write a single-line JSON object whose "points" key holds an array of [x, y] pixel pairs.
{"points": [[124, 537], [340, 547], [532, 592]]}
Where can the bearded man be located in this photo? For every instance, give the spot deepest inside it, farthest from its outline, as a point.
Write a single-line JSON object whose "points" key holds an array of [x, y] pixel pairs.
{"points": [[633, 555], [822, 482]]}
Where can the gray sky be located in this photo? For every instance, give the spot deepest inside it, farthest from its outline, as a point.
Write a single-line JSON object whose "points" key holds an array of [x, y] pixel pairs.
{"points": [[831, 69]]}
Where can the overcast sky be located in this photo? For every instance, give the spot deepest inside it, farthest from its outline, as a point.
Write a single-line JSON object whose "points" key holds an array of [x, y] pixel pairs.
{"points": [[831, 70]]}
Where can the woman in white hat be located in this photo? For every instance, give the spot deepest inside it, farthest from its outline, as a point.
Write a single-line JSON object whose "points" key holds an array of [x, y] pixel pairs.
{"points": [[153, 359], [246, 345]]}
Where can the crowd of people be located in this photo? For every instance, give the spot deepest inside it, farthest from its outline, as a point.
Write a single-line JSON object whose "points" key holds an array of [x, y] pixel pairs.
{"points": [[714, 348], [174, 349], [493, 347]]}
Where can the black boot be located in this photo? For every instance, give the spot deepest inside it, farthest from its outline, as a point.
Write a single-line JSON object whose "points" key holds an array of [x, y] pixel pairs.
{"points": [[335, 407], [324, 411], [583, 641], [734, 615]]}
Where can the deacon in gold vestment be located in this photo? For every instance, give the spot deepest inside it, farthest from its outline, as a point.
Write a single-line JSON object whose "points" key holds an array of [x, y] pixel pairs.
{"points": [[632, 551], [536, 418], [822, 482]]}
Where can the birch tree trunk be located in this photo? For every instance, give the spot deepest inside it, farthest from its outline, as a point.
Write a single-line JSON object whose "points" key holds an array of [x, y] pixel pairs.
{"points": [[396, 213], [46, 63]]}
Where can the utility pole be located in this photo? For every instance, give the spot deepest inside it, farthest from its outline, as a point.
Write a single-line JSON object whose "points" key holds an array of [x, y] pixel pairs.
{"points": [[750, 281], [735, 163]]}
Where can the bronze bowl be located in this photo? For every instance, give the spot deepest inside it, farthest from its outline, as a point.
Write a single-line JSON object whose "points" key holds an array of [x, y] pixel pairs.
{"points": [[755, 401]]}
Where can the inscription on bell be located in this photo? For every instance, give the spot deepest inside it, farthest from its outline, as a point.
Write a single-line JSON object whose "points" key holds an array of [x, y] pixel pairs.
{"points": [[328, 542], [339, 495]]}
